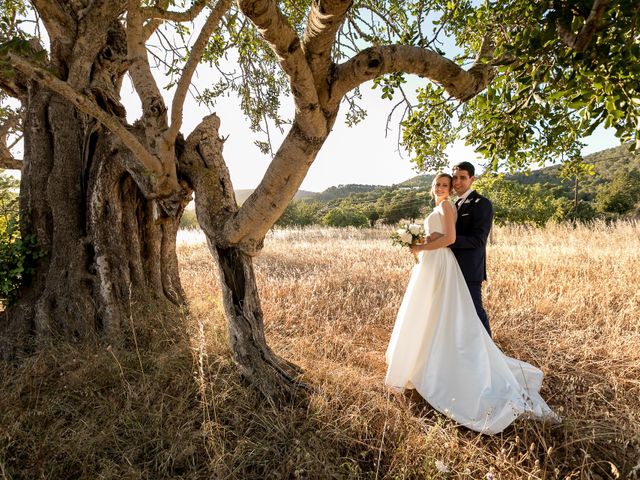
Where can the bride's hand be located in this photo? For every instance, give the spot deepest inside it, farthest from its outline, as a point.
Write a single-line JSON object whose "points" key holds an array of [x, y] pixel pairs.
{"points": [[415, 249]]}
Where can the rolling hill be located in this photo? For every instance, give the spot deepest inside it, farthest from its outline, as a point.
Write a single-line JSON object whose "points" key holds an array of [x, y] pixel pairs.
{"points": [[606, 162], [243, 194]]}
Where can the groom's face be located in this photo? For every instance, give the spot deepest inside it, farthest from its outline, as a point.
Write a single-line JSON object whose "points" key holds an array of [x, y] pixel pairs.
{"points": [[462, 181]]}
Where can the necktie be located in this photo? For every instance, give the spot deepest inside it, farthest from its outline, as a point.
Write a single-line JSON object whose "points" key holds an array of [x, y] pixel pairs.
{"points": [[458, 203]]}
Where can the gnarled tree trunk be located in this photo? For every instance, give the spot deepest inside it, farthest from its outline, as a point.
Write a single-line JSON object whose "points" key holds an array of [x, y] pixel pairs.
{"points": [[272, 375], [106, 215], [105, 245], [202, 166]]}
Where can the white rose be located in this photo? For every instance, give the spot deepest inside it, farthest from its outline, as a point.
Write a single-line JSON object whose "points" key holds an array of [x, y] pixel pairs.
{"points": [[414, 228], [401, 231], [406, 237]]}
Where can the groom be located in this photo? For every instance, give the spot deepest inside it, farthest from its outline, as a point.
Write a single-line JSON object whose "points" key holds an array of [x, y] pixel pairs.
{"points": [[475, 214]]}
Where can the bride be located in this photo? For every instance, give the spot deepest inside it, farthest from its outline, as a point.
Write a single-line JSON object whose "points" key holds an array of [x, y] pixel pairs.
{"points": [[440, 348]]}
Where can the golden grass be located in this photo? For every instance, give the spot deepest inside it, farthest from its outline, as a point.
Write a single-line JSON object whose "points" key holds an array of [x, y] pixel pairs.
{"points": [[563, 298]]}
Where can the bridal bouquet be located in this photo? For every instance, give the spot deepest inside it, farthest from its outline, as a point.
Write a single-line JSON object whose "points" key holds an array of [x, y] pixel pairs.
{"points": [[408, 235]]}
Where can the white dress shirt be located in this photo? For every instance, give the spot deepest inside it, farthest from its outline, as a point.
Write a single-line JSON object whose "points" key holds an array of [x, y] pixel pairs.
{"points": [[463, 197]]}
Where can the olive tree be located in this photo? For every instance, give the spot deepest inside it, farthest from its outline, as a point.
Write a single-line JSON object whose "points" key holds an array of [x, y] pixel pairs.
{"points": [[103, 197]]}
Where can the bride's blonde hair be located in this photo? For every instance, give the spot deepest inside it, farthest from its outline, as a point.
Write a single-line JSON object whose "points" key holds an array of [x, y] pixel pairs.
{"points": [[436, 178]]}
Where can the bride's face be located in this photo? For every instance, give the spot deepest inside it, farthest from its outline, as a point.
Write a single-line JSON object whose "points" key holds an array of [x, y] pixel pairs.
{"points": [[442, 188]]}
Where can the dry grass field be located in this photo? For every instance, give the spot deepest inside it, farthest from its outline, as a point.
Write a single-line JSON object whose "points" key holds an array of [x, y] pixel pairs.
{"points": [[562, 298]]}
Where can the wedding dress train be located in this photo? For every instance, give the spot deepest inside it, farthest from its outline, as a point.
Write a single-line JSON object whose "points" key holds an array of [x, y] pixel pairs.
{"points": [[440, 348]]}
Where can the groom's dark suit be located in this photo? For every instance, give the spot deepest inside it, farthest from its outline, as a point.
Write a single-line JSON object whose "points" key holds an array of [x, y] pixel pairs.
{"points": [[475, 216]]}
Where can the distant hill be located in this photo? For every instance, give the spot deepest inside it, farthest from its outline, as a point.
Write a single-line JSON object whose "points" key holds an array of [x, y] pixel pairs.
{"points": [[342, 191], [243, 194], [609, 161], [345, 191], [606, 164], [419, 181]]}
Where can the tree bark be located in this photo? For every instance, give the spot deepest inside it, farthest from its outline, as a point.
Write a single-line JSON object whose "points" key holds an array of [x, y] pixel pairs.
{"points": [[106, 246], [204, 169], [277, 379]]}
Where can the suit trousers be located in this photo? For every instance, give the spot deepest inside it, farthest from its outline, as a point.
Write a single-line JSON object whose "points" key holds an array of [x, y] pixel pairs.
{"points": [[475, 288]]}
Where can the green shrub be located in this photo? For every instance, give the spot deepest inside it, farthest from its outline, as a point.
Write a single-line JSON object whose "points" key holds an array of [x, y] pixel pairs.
{"points": [[621, 194], [345, 217], [18, 257], [189, 219], [300, 214], [518, 203], [17, 254]]}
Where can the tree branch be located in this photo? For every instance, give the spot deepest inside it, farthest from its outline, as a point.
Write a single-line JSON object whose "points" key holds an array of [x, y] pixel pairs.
{"points": [[581, 40], [376, 61], [152, 25], [84, 104], [154, 110], [284, 41], [8, 162], [482, 69], [13, 86], [61, 28], [153, 107], [159, 12], [11, 123], [281, 181], [56, 20], [325, 19], [91, 38], [194, 59]]}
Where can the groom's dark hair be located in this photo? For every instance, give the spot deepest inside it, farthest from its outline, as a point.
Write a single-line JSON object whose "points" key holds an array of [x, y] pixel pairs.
{"points": [[467, 167]]}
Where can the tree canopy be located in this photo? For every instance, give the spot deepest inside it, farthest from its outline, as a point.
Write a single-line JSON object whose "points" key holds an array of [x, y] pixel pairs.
{"points": [[558, 70], [562, 69]]}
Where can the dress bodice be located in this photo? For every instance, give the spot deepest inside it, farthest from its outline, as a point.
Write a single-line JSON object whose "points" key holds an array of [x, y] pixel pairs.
{"points": [[435, 220]]}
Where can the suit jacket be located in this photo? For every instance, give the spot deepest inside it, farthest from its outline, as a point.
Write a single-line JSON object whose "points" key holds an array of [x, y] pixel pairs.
{"points": [[473, 224]]}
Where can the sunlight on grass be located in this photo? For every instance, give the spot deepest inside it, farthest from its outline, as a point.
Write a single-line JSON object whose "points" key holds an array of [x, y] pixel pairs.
{"points": [[562, 298]]}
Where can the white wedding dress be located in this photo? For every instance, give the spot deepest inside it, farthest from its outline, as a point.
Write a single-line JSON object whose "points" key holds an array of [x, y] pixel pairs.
{"points": [[440, 348]]}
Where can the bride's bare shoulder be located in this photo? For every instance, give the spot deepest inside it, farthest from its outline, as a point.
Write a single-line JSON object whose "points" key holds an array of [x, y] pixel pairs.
{"points": [[448, 204]]}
